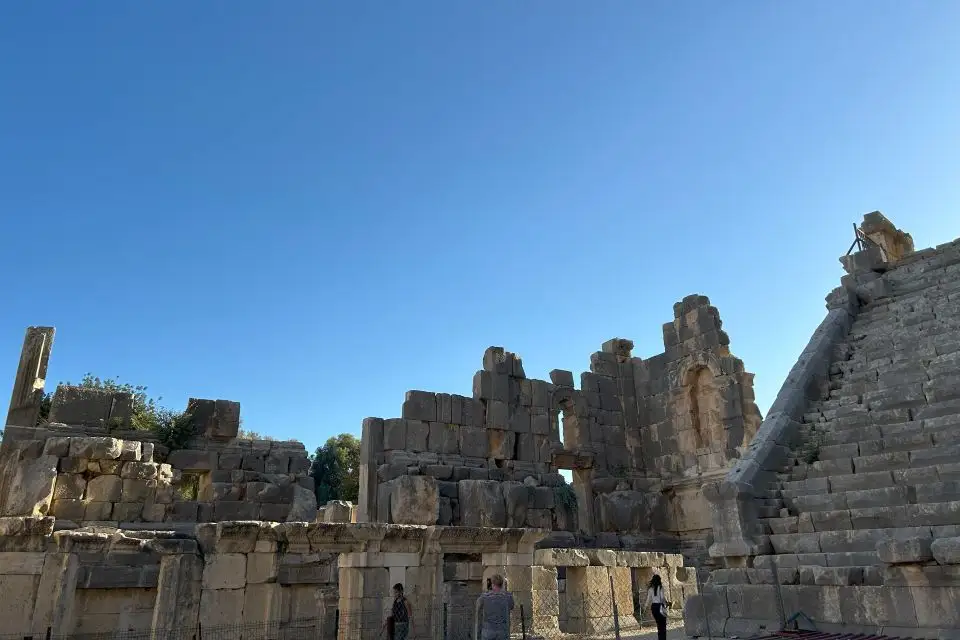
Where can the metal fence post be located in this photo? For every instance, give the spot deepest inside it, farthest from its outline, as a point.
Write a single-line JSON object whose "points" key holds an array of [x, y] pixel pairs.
{"points": [[703, 602], [523, 624], [616, 611]]}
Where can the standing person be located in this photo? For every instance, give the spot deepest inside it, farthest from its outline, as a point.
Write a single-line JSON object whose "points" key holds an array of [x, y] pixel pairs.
{"points": [[400, 621], [493, 612], [658, 604]]}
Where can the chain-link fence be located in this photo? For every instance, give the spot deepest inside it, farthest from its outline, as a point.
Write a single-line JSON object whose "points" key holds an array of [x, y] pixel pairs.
{"points": [[570, 618], [305, 629]]}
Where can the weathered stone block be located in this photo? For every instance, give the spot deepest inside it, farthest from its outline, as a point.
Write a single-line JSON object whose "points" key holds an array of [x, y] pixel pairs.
{"points": [[86, 406], [253, 462], [232, 511], [418, 433], [502, 444], [561, 378], [274, 512], [127, 511], [30, 490], [474, 442], [497, 415], [68, 510], [96, 448], [303, 508], [185, 511], [69, 486], [420, 405], [482, 503], [337, 511], [414, 500], [59, 447], [139, 470], [910, 550], [227, 421], [540, 424], [16, 592], [444, 438], [104, 489], [98, 511], [21, 563], [135, 490], [517, 498], [131, 450], [394, 434], [946, 551], [275, 463], [192, 460], [261, 567], [154, 512], [221, 607]]}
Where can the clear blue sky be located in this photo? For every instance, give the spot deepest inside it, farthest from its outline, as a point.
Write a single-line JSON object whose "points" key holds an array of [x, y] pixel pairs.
{"points": [[311, 207]]}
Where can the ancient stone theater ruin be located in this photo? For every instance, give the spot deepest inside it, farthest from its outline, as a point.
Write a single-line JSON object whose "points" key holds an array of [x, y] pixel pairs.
{"points": [[835, 512]]}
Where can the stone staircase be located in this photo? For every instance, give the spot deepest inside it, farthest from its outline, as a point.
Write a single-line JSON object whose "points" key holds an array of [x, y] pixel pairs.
{"points": [[880, 456], [872, 483]]}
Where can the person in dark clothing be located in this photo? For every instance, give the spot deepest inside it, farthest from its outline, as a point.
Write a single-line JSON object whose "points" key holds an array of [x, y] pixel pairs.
{"points": [[658, 604], [399, 623]]}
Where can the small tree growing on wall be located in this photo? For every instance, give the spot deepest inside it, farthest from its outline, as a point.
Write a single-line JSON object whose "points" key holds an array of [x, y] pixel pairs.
{"points": [[335, 469], [172, 428]]}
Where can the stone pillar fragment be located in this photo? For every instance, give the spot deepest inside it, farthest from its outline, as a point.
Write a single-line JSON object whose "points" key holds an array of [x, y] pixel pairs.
{"points": [[371, 444], [31, 376], [56, 596], [178, 594], [364, 592]]}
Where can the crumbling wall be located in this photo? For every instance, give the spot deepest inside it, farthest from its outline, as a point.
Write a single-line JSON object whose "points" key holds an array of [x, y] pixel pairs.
{"points": [[699, 410], [481, 461], [640, 436], [82, 479]]}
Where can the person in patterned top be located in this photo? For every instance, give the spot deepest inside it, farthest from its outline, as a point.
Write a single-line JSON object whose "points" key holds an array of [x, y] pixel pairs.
{"points": [[399, 623]]}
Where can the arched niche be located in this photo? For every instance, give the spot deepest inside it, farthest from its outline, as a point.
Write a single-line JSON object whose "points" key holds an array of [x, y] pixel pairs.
{"points": [[704, 403]]}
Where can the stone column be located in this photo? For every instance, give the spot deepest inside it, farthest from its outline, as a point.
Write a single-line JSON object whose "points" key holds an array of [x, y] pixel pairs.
{"points": [[589, 601], [54, 607], [31, 375], [364, 585], [371, 443], [583, 487], [178, 593]]}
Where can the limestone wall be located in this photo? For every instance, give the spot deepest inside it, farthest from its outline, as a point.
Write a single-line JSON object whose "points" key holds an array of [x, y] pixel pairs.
{"points": [[104, 580], [60, 471], [261, 578], [640, 436]]}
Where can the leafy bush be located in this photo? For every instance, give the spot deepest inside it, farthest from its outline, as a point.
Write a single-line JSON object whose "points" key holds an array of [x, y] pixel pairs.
{"points": [[565, 496]]}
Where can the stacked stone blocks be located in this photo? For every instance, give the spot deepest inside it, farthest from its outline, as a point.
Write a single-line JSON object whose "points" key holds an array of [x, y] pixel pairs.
{"points": [[84, 479]]}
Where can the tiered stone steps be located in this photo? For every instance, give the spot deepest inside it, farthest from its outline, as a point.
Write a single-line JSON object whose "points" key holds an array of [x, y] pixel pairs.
{"points": [[880, 457]]}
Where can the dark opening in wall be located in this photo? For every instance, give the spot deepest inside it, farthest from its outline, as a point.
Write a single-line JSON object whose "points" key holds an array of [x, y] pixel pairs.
{"points": [[561, 417], [189, 486]]}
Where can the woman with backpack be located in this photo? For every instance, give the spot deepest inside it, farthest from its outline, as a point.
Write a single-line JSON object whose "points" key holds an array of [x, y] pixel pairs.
{"points": [[400, 621], [657, 601]]}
